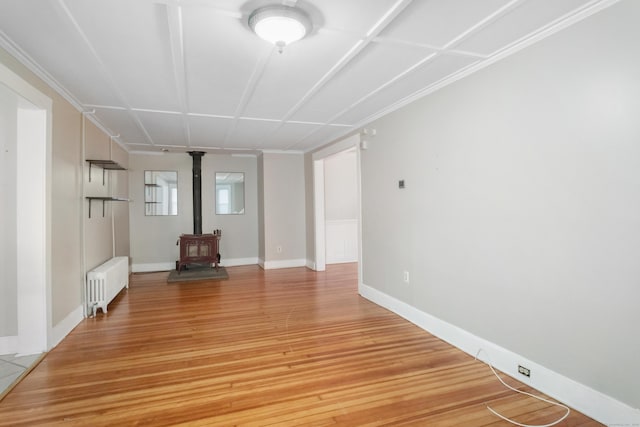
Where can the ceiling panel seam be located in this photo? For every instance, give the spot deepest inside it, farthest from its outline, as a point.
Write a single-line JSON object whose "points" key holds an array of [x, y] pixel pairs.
{"points": [[355, 50], [380, 25], [445, 49], [396, 78], [483, 23], [176, 37], [552, 27], [525, 41], [249, 90], [389, 40], [102, 67]]}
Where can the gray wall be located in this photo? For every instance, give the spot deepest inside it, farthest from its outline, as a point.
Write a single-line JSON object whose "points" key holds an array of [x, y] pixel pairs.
{"points": [[521, 218], [69, 230], [153, 238], [120, 188], [98, 235], [8, 260], [284, 210]]}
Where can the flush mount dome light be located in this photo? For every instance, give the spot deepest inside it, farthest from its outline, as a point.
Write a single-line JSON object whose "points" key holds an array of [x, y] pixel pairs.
{"points": [[280, 25]]}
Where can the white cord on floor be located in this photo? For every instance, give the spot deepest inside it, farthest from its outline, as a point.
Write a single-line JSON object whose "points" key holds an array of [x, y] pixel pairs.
{"points": [[521, 392]]}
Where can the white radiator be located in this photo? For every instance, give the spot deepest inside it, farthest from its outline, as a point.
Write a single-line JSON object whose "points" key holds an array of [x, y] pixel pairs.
{"points": [[105, 282]]}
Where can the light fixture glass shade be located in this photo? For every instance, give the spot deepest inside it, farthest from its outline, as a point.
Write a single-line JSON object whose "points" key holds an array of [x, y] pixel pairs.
{"points": [[280, 25]]}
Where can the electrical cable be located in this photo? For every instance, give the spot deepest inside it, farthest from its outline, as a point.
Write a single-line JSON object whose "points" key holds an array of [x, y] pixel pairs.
{"points": [[490, 364]]}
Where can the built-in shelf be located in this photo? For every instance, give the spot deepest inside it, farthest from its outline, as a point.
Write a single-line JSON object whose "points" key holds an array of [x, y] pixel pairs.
{"points": [[104, 199], [105, 165]]}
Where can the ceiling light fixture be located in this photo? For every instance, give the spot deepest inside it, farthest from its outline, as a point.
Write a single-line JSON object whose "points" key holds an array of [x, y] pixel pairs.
{"points": [[280, 25]]}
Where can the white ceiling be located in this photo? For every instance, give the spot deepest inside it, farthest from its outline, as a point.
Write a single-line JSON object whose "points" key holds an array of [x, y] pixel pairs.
{"points": [[190, 74]]}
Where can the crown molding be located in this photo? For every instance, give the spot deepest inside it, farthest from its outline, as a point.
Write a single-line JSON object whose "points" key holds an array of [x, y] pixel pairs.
{"points": [[524, 42], [22, 57]]}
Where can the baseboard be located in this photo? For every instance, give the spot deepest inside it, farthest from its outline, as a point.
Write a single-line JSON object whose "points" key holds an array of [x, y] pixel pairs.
{"points": [[341, 260], [311, 265], [9, 345], [64, 327], [235, 262], [284, 263], [150, 267], [590, 402]]}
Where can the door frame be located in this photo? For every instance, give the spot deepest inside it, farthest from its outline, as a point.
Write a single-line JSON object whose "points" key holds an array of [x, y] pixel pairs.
{"points": [[318, 159], [33, 204]]}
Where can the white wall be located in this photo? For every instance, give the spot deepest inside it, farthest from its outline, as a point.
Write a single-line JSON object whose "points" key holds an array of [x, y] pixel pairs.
{"points": [[340, 186], [284, 210], [341, 207], [520, 221], [153, 238]]}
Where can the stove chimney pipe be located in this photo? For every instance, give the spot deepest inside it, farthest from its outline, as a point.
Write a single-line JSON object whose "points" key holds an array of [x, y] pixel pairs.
{"points": [[197, 190]]}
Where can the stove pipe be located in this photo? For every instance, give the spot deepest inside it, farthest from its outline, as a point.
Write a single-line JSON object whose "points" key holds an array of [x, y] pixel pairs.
{"points": [[197, 190]]}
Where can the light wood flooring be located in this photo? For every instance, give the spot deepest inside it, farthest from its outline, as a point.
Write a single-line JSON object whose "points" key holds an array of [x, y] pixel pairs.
{"points": [[264, 348]]}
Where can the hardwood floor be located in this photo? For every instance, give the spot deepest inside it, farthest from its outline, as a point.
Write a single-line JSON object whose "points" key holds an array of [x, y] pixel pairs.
{"points": [[278, 347]]}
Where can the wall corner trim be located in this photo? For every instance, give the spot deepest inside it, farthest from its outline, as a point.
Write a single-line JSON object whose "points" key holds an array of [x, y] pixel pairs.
{"points": [[590, 402], [65, 326]]}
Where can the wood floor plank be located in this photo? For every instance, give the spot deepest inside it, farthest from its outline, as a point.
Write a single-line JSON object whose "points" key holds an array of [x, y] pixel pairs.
{"points": [[263, 348]]}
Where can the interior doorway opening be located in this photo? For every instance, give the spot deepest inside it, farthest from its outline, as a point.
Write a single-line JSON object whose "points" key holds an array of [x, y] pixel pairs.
{"points": [[25, 221], [337, 212]]}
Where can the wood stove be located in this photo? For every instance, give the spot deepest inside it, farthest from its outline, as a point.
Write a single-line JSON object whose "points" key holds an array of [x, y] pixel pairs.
{"points": [[198, 248]]}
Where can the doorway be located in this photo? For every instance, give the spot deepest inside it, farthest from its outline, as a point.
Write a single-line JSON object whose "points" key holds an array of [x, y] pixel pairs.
{"points": [[341, 207], [337, 232], [25, 220]]}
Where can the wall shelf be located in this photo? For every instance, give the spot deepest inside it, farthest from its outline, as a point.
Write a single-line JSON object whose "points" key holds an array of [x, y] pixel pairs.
{"points": [[105, 165], [104, 199]]}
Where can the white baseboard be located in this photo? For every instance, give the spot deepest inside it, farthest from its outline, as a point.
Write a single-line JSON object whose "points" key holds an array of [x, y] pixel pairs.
{"points": [[9, 345], [284, 263], [590, 402], [64, 327], [168, 266], [234, 262], [341, 260], [311, 265], [150, 267]]}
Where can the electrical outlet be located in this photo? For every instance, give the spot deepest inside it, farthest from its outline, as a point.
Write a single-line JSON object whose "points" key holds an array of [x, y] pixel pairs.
{"points": [[405, 277], [524, 371]]}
